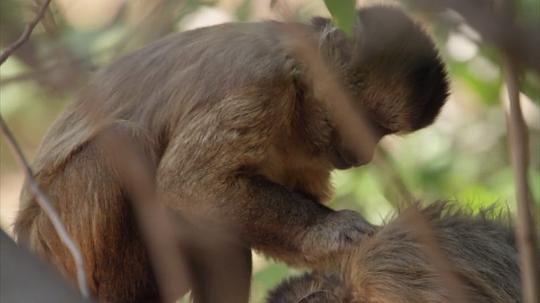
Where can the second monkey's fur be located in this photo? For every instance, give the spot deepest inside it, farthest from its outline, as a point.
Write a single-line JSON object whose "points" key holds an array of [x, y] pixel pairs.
{"points": [[397, 265]]}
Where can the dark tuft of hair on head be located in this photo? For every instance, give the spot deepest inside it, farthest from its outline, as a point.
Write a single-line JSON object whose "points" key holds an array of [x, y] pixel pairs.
{"points": [[400, 53], [390, 65]]}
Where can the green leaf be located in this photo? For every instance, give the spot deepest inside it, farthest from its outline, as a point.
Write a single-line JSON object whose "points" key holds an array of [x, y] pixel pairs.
{"points": [[343, 14], [243, 11]]}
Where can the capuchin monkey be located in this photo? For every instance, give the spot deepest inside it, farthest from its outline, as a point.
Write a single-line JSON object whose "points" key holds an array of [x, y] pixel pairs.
{"points": [[231, 121], [395, 264]]}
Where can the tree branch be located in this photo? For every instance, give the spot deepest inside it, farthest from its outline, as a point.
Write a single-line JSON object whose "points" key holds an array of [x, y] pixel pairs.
{"points": [[519, 146], [26, 33], [41, 198]]}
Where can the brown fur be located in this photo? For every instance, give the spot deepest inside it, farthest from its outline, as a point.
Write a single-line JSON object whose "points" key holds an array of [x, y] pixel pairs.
{"points": [[236, 135], [394, 265]]}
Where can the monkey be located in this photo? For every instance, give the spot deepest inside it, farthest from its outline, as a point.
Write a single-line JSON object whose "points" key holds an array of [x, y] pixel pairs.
{"points": [[232, 124], [394, 264]]}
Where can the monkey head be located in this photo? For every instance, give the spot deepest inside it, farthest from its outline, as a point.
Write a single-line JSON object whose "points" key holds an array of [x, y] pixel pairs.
{"points": [[391, 69]]}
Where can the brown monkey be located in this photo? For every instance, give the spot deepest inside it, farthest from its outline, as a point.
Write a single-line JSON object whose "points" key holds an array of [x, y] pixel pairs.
{"points": [[394, 265], [236, 132]]}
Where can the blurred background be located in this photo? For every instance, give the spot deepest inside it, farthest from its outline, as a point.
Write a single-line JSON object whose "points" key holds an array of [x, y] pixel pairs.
{"points": [[463, 156]]}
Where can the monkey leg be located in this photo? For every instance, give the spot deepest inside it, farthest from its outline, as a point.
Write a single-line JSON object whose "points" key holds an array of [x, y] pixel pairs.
{"points": [[97, 213]]}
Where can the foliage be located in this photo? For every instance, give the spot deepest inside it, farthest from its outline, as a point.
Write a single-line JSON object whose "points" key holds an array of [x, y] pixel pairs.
{"points": [[343, 13]]}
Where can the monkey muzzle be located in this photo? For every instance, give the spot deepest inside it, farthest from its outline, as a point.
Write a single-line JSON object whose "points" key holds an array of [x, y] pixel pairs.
{"points": [[343, 158]]}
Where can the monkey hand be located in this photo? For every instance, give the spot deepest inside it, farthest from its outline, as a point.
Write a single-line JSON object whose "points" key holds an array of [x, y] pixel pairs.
{"points": [[336, 232]]}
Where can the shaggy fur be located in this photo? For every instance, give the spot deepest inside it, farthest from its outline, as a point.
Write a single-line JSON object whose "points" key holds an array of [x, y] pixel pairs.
{"points": [[394, 265]]}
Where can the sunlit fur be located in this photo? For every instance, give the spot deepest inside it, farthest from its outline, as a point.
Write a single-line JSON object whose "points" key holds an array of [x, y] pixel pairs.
{"points": [[396, 265]]}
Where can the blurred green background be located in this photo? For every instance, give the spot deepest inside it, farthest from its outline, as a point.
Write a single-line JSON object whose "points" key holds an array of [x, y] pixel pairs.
{"points": [[463, 156]]}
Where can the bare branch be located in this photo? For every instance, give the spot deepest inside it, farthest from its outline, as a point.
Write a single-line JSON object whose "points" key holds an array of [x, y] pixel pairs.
{"points": [[49, 209], [519, 146], [41, 198], [26, 34], [390, 175]]}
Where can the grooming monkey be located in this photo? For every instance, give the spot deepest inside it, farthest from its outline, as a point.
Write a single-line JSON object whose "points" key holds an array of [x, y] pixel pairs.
{"points": [[231, 121], [395, 266]]}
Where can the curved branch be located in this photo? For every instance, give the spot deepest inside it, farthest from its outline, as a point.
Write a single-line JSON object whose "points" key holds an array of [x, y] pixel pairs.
{"points": [[41, 198], [26, 34]]}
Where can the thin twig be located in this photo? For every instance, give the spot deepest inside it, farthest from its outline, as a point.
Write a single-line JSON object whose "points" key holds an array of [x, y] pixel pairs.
{"points": [[41, 198], [47, 206], [519, 147], [390, 174], [26, 34]]}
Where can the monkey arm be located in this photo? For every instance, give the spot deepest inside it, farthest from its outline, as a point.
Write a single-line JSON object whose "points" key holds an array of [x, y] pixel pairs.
{"points": [[280, 223], [291, 227], [212, 168], [273, 219]]}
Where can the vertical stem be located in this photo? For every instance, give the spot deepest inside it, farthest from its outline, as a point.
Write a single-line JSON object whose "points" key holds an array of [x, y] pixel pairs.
{"points": [[519, 147], [519, 150], [10, 49]]}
